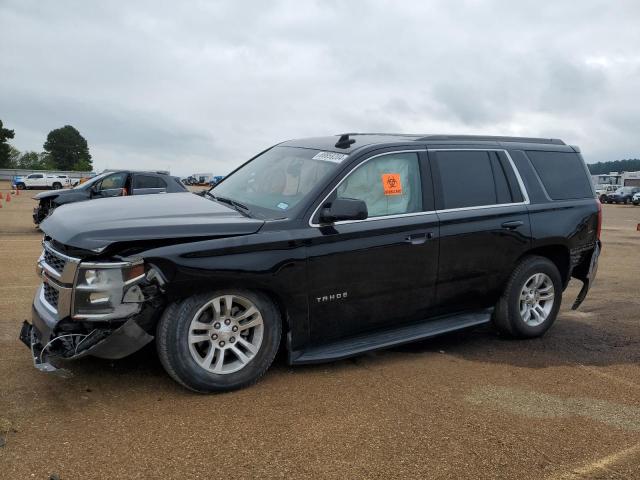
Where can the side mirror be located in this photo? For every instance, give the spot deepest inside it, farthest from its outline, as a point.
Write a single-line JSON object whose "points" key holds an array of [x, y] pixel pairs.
{"points": [[344, 209]]}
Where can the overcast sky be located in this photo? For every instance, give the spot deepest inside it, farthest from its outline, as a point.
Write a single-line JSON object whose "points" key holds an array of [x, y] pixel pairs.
{"points": [[201, 86]]}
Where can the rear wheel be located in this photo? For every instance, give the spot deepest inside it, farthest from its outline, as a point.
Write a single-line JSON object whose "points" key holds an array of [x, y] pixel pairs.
{"points": [[57, 186], [219, 341], [531, 300], [20, 186]]}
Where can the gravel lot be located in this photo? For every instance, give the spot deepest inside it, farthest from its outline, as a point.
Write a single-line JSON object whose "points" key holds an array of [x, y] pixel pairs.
{"points": [[468, 405]]}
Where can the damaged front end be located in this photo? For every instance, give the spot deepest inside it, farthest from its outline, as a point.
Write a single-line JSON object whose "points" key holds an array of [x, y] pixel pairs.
{"points": [[103, 309]]}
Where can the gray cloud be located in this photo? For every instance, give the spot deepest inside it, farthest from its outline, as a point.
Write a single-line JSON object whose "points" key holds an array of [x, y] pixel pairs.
{"points": [[201, 86]]}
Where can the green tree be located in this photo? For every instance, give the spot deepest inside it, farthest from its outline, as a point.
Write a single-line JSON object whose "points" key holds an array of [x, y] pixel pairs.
{"points": [[29, 161], [67, 149], [628, 165], [14, 155], [5, 148]]}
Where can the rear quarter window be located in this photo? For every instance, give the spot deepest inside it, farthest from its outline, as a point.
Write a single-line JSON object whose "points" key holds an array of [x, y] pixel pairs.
{"points": [[562, 174], [148, 181]]}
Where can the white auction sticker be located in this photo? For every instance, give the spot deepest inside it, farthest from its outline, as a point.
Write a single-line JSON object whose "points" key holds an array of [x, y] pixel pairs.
{"points": [[330, 156]]}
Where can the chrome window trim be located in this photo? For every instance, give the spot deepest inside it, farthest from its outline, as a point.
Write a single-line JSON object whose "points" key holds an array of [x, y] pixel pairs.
{"points": [[523, 190], [398, 215]]}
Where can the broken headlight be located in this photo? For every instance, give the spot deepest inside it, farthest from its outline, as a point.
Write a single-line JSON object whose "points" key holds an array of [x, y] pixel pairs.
{"points": [[105, 291]]}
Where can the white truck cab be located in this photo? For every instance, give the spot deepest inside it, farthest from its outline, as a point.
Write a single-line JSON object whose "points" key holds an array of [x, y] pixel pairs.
{"points": [[43, 181]]}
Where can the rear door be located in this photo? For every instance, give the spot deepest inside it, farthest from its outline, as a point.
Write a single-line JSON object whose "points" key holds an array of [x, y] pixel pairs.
{"points": [[380, 272], [484, 225], [144, 184]]}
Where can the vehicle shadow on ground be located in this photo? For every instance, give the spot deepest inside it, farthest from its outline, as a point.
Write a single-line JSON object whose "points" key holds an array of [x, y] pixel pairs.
{"points": [[570, 342]]}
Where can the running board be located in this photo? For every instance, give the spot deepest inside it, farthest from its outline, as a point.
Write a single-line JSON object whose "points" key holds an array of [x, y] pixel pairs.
{"points": [[388, 338]]}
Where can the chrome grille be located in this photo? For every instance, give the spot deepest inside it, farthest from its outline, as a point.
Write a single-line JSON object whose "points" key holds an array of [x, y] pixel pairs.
{"points": [[50, 295], [58, 272], [54, 261], [58, 266]]}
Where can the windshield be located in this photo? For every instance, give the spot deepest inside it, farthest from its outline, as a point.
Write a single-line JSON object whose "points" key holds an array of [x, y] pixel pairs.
{"points": [[89, 183], [279, 178]]}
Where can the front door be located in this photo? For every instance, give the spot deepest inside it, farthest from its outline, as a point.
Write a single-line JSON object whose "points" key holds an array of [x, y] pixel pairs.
{"points": [[112, 185], [380, 272]]}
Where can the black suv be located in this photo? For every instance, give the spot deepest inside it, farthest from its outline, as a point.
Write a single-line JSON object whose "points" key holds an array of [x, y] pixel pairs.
{"points": [[333, 245], [107, 184]]}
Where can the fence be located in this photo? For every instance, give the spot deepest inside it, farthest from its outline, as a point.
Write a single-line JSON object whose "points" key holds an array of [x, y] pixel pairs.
{"points": [[10, 173]]}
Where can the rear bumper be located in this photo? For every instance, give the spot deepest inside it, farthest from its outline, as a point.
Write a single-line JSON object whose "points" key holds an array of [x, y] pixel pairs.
{"points": [[586, 272]]}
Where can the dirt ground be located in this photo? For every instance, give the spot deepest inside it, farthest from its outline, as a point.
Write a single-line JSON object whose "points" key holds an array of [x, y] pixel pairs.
{"points": [[469, 405]]}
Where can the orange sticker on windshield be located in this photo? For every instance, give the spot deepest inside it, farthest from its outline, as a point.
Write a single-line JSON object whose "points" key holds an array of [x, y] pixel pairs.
{"points": [[391, 184]]}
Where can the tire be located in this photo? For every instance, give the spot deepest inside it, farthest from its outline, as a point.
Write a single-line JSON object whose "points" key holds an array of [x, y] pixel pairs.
{"points": [[57, 186], [508, 318], [20, 186], [185, 359]]}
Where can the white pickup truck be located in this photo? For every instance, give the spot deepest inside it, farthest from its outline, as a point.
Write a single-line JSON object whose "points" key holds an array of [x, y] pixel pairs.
{"points": [[42, 181]]}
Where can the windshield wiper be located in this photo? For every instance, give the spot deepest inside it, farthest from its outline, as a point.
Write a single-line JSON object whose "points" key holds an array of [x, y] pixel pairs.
{"points": [[243, 209]]}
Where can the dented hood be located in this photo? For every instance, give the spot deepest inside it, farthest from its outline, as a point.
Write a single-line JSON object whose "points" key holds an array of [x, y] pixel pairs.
{"points": [[96, 224]]}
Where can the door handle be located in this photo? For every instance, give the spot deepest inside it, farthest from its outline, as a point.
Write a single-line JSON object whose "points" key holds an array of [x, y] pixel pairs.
{"points": [[418, 238], [513, 224]]}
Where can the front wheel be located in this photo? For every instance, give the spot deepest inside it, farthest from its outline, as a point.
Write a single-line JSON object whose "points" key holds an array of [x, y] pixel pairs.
{"points": [[20, 186], [531, 300], [219, 341], [57, 186]]}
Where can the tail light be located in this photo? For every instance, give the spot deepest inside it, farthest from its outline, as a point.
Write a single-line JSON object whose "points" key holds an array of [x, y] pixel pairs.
{"points": [[599, 229]]}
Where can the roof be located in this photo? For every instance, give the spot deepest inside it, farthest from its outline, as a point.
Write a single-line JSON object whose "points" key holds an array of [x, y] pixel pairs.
{"points": [[363, 139]]}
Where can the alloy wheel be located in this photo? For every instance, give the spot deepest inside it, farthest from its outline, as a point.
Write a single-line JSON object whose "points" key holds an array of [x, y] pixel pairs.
{"points": [[225, 334], [536, 299]]}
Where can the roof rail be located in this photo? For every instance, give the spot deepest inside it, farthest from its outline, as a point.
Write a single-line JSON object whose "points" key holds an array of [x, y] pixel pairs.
{"points": [[553, 141], [159, 172]]}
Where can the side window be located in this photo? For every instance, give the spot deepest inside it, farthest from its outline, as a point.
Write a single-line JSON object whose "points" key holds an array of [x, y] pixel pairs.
{"points": [[116, 180], [148, 181], [36, 175], [389, 184], [467, 179], [562, 174]]}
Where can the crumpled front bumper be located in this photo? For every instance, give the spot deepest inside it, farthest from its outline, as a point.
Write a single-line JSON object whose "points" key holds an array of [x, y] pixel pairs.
{"points": [[51, 339]]}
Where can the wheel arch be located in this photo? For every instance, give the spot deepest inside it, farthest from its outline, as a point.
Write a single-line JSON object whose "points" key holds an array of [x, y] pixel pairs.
{"points": [[277, 298], [559, 255]]}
